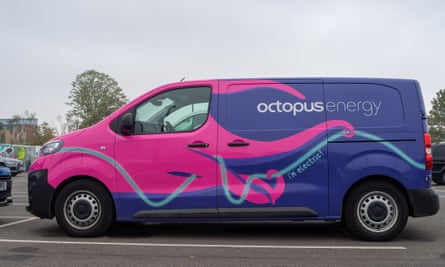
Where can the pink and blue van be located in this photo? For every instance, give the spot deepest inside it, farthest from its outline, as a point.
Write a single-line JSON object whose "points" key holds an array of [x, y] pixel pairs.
{"points": [[355, 150]]}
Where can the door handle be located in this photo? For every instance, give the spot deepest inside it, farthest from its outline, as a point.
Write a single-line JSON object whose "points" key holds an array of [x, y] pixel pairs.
{"points": [[237, 143], [198, 145]]}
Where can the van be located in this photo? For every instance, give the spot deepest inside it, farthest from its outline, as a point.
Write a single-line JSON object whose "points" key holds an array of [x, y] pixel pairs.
{"points": [[438, 152], [355, 150]]}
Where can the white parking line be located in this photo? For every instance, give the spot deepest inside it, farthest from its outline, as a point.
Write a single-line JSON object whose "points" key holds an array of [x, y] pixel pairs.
{"points": [[19, 222], [14, 217], [199, 245], [19, 204]]}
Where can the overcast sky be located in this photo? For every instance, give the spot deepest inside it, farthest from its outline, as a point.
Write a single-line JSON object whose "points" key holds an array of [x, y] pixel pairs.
{"points": [[143, 44]]}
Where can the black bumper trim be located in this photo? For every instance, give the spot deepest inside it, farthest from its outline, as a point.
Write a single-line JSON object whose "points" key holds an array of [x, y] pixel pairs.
{"points": [[40, 194], [176, 214], [267, 212], [228, 213], [424, 202]]}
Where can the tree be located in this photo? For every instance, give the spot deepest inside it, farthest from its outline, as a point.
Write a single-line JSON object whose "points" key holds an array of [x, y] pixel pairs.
{"points": [[61, 127], [42, 134], [2, 133], [22, 127], [436, 118], [94, 95], [25, 130]]}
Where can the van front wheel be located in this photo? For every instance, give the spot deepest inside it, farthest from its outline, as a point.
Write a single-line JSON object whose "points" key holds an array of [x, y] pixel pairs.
{"points": [[84, 208], [376, 211]]}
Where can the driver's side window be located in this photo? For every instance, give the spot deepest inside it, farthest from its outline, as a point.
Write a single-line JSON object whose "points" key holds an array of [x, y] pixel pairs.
{"points": [[178, 110]]}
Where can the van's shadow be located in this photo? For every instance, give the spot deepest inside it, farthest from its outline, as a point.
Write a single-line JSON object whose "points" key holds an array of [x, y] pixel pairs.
{"points": [[257, 231], [231, 230]]}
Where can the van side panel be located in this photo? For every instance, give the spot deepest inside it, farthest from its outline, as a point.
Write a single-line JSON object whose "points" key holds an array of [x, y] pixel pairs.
{"points": [[272, 149], [387, 140], [86, 153], [170, 174]]}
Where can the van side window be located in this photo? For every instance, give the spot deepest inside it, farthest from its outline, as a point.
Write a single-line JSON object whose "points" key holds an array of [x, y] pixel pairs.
{"points": [[179, 110]]}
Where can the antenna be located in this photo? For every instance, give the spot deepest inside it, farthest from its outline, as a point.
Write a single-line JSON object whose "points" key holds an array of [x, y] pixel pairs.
{"points": [[183, 78]]}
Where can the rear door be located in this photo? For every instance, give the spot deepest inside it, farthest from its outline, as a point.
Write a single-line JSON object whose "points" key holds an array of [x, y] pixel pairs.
{"points": [[272, 155]]}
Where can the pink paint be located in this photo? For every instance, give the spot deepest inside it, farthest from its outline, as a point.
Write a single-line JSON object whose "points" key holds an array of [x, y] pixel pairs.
{"points": [[267, 148], [251, 84], [136, 153]]}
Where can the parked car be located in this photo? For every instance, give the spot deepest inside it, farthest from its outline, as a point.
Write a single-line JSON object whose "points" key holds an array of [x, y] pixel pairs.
{"points": [[15, 165], [438, 150], [5, 186]]}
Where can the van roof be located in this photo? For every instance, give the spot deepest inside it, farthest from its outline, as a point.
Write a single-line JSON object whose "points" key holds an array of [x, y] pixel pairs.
{"points": [[327, 79]]}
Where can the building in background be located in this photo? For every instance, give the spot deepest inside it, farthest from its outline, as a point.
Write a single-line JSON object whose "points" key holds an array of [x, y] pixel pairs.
{"points": [[17, 130]]}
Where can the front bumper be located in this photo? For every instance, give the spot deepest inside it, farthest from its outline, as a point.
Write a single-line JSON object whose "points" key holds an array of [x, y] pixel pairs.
{"points": [[40, 194], [424, 202], [6, 189]]}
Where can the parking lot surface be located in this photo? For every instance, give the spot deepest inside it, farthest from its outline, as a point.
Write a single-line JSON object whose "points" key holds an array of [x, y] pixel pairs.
{"points": [[28, 241]]}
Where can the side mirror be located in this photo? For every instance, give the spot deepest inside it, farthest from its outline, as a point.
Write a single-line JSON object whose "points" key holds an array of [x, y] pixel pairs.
{"points": [[126, 124]]}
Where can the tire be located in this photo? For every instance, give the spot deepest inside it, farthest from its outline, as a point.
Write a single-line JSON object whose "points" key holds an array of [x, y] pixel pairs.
{"points": [[84, 208], [376, 211], [441, 181]]}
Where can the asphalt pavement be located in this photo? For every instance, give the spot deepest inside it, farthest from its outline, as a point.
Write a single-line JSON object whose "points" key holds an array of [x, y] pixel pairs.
{"points": [[28, 241]]}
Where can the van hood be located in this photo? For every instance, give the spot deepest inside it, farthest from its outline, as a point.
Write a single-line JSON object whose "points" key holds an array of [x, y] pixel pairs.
{"points": [[70, 135]]}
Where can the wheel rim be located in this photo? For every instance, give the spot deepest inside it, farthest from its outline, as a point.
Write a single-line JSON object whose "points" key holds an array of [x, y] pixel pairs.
{"points": [[82, 210], [377, 212]]}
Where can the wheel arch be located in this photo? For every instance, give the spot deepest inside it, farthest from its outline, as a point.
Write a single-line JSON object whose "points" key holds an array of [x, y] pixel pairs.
{"points": [[375, 178], [77, 178]]}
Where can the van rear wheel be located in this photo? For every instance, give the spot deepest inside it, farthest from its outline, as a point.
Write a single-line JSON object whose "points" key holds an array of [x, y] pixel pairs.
{"points": [[84, 208], [442, 179], [376, 211]]}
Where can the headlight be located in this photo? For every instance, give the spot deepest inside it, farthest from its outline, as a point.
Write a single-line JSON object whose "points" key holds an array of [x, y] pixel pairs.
{"points": [[51, 147]]}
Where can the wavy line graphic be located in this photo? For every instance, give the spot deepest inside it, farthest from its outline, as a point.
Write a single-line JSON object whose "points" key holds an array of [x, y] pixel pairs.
{"points": [[265, 176], [237, 200], [393, 148], [130, 180]]}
